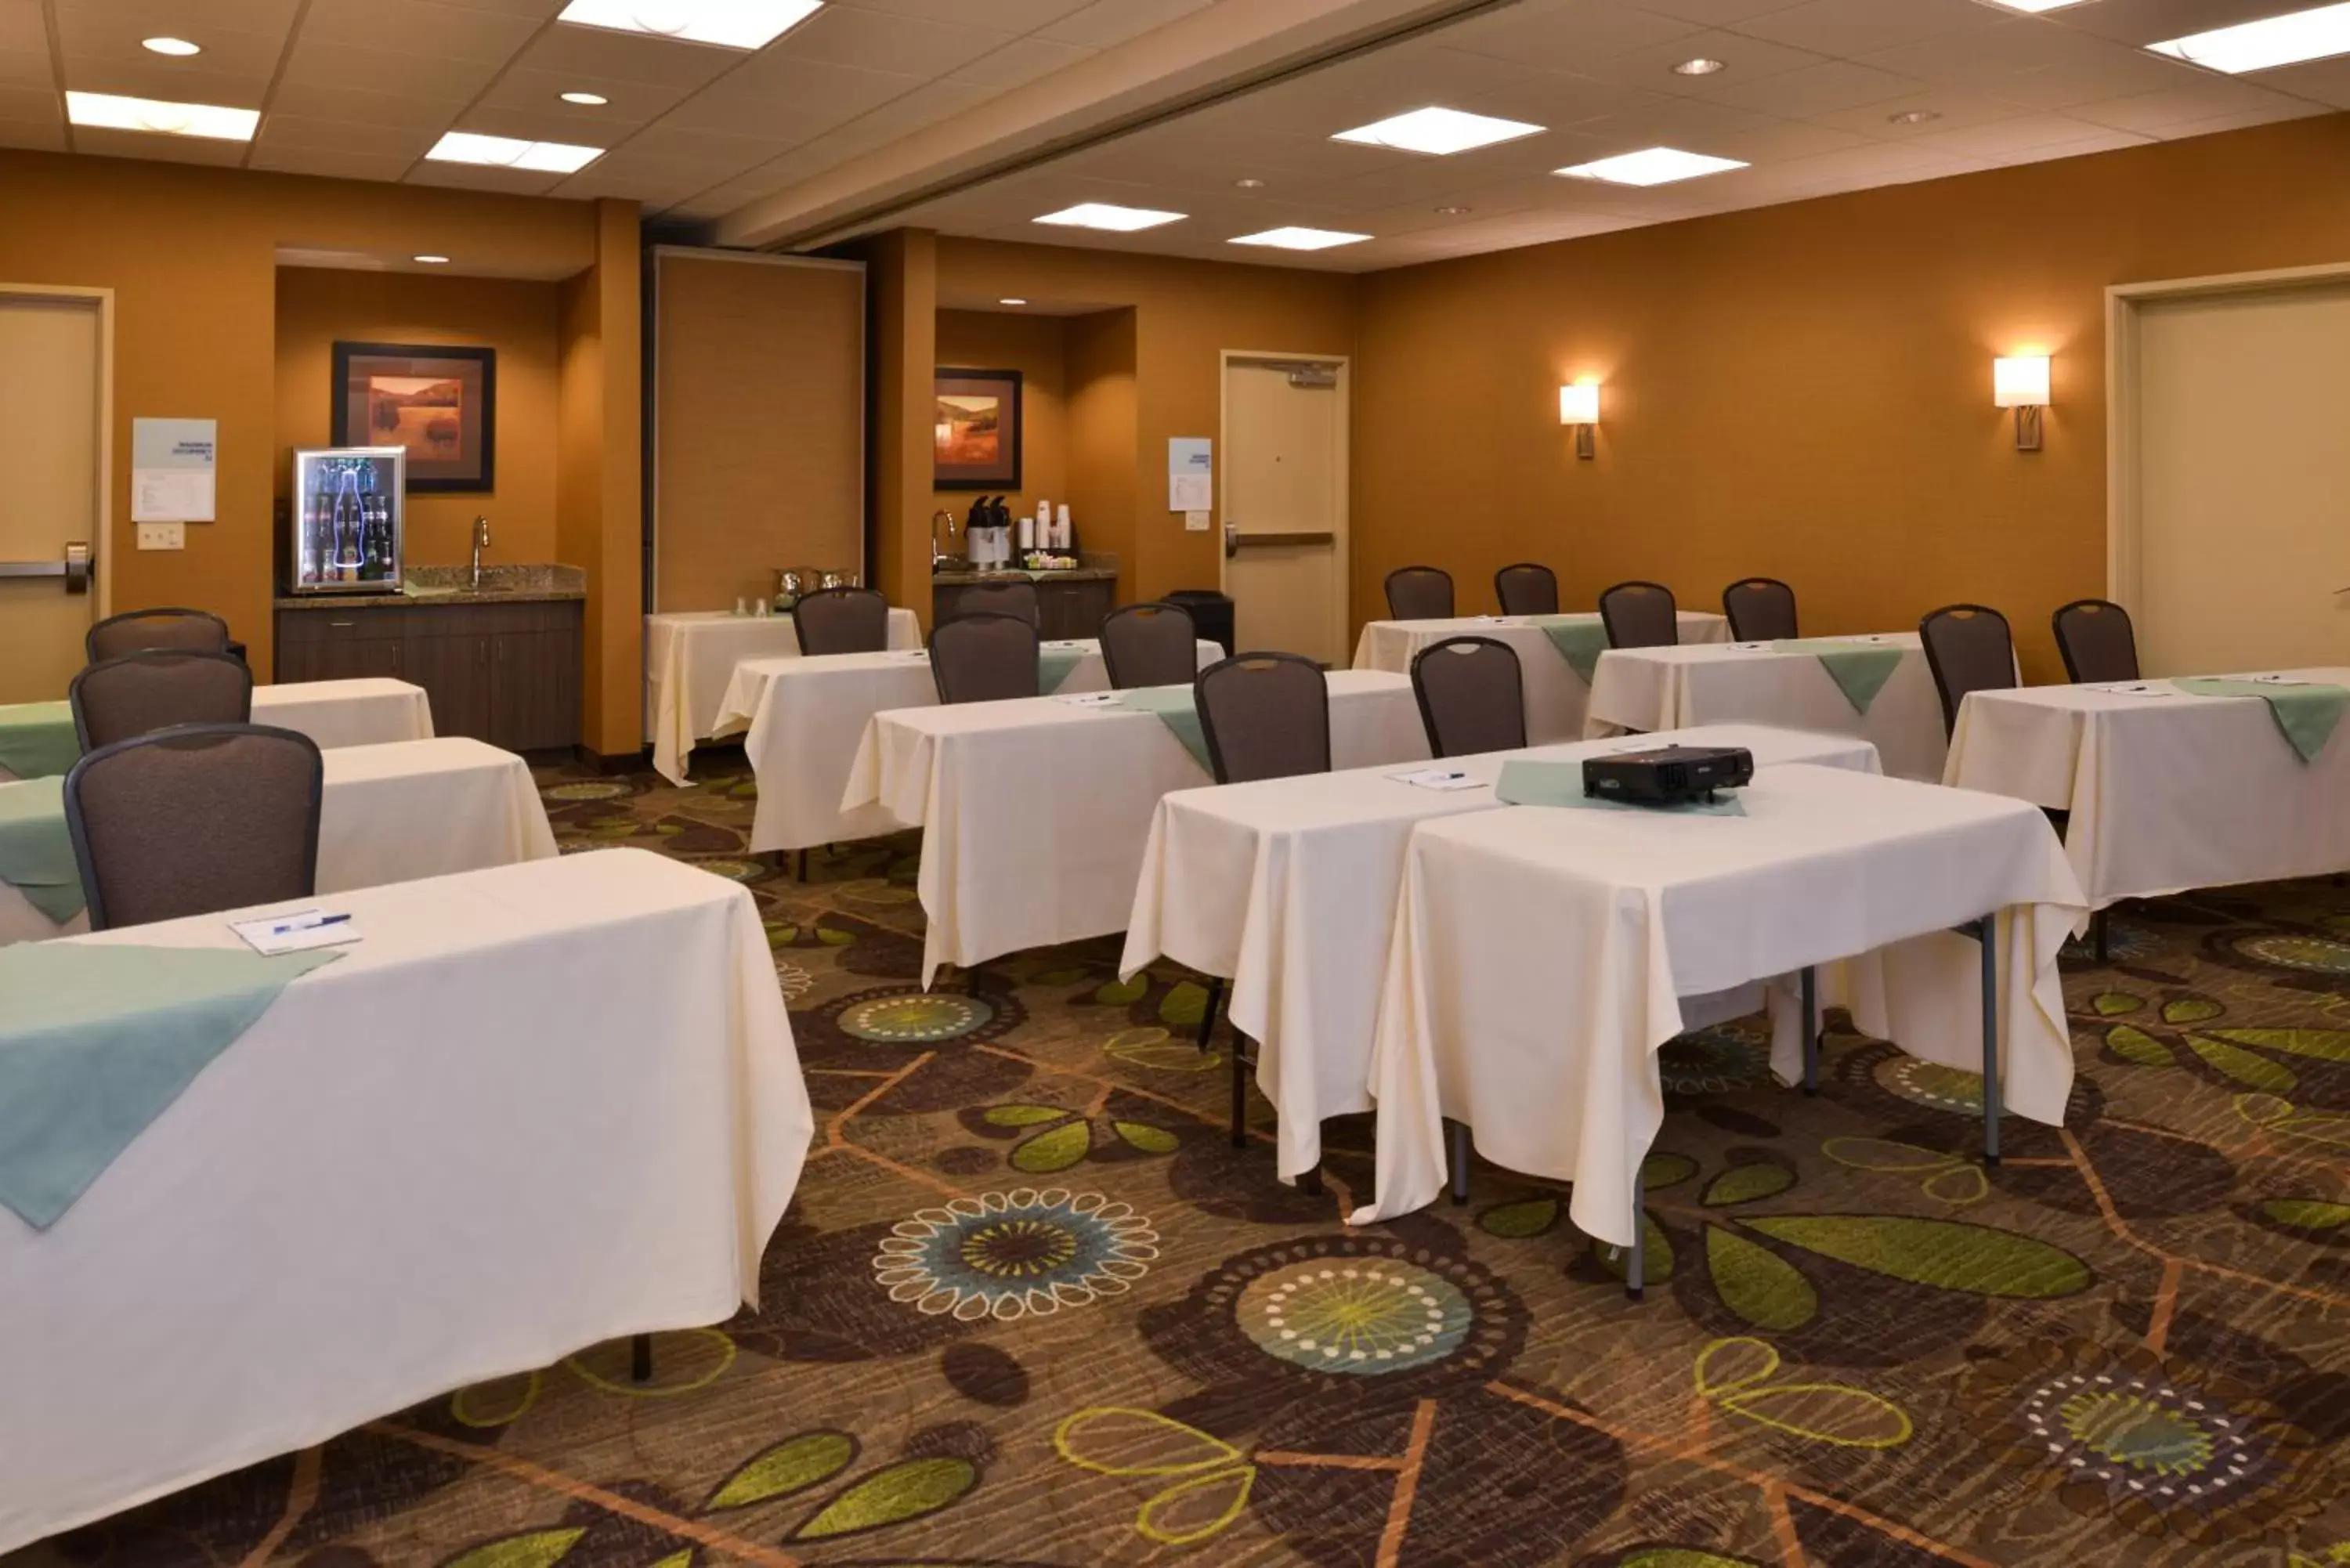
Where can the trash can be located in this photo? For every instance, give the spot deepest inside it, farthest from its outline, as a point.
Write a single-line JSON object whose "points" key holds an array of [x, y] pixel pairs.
{"points": [[1210, 611]]}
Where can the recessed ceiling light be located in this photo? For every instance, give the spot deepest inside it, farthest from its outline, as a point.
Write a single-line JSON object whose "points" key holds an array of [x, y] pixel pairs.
{"points": [[1011, 302], [1700, 66], [101, 109], [1439, 131], [585, 100], [734, 23], [430, 261], [176, 47], [1651, 166], [1250, 184], [1296, 239], [2034, 7], [1453, 212], [2258, 46], [506, 153], [1109, 215], [1913, 117]]}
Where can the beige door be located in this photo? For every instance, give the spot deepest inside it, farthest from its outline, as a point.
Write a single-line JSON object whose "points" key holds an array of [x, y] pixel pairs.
{"points": [[1284, 504], [50, 420], [2243, 481]]}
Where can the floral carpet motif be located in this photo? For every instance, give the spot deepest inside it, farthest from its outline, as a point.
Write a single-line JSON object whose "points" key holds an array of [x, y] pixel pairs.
{"points": [[1031, 1308]]}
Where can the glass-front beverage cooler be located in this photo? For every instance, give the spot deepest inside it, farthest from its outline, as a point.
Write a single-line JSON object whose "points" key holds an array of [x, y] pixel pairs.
{"points": [[348, 520]]}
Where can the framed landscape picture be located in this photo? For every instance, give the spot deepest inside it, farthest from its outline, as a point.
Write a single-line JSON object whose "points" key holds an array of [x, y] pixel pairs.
{"points": [[438, 402], [976, 443]]}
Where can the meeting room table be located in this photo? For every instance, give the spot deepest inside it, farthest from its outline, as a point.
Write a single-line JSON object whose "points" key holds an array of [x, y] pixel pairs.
{"points": [[393, 813], [1877, 687], [530, 1110], [1037, 812], [807, 716], [1556, 654], [1286, 888], [2173, 784], [1541, 955], [37, 739], [691, 657]]}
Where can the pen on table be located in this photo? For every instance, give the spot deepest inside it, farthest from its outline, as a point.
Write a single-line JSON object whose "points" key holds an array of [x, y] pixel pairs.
{"points": [[308, 924]]}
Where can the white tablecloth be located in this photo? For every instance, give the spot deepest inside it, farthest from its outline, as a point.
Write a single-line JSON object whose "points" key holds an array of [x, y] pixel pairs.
{"points": [[1540, 957], [1035, 813], [370, 712], [2166, 792], [1554, 694], [690, 658], [807, 716], [536, 1108], [392, 813], [1745, 683], [1287, 888]]}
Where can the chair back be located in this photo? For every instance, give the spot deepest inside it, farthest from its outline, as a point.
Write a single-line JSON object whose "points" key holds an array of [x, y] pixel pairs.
{"points": [[841, 620], [1149, 645], [1761, 609], [1527, 588], [1969, 648], [986, 657], [1471, 696], [2097, 641], [1420, 593], [137, 693], [194, 820], [1265, 716], [198, 630], [1640, 615], [998, 599]]}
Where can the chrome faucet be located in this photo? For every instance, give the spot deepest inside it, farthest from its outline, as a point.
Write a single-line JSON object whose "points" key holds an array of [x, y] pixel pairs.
{"points": [[481, 542], [938, 556]]}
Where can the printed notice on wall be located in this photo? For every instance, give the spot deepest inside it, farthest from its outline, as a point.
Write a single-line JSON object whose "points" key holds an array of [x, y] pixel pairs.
{"points": [[1191, 475], [172, 470]]}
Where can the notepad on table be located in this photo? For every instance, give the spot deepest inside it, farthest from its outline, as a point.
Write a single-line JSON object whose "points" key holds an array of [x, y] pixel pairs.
{"points": [[1438, 778], [297, 931]]}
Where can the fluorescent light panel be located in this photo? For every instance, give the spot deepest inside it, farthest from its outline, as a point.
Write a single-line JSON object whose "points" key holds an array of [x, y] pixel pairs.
{"points": [[731, 24], [1296, 239], [1437, 132], [506, 153], [2260, 45], [1109, 215], [1651, 166], [210, 120]]}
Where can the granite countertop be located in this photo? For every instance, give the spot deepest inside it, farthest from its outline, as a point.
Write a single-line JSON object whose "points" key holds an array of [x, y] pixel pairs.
{"points": [[501, 584], [1093, 567]]}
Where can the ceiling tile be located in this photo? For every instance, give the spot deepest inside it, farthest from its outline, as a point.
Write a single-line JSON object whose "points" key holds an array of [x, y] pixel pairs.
{"points": [[162, 148], [1020, 62], [33, 136], [784, 99], [626, 57], [2139, 22], [336, 162], [1848, 27], [1107, 22], [2014, 138], [483, 177], [1818, 89], [1713, 13], [1744, 61], [323, 101], [537, 91], [421, 78], [148, 76], [2034, 62], [112, 33], [908, 45], [1563, 35], [30, 106], [1007, 15], [2323, 82], [423, 28], [280, 130], [2213, 97], [1950, 109], [266, 16]]}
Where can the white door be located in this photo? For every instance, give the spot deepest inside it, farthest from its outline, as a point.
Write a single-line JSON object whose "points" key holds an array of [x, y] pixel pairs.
{"points": [[1284, 497], [2243, 481], [50, 374]]}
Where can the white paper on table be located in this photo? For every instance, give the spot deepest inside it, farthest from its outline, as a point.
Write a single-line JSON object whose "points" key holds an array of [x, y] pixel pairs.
{"points": [[1090, 699], [2142, 689], [269, 936], [1438, 778]]}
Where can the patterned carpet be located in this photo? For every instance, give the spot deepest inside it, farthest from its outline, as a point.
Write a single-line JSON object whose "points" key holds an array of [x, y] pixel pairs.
{"points": [[1031, 1308]]}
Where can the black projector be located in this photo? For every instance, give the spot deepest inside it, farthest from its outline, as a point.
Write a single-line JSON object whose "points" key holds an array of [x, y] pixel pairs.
{"points": [[1667, 776]]}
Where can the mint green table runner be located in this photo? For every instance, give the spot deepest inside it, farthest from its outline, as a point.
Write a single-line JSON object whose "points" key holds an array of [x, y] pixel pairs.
{"points": [[96, 1040], [2305, 713], [1054, 666], [1530, 783], [1859, 670], [1177, 707], [37, 740], [37, 855], [1579, 638]]}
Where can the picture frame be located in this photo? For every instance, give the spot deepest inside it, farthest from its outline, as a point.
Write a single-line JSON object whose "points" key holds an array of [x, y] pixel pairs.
{"points": [[436, 401], [978, 435]]}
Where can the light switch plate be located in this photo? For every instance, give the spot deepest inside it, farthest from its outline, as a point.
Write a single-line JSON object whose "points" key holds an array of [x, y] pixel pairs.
{"points": [[163, 535]]}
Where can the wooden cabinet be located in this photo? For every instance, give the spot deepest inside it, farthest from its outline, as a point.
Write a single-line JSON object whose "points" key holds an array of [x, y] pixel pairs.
{"points": [[505, 673], [1065, 607]]}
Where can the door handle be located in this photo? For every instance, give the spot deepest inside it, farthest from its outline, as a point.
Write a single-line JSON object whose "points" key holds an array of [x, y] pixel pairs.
{"points": [[74, 566], [1232, 540]]}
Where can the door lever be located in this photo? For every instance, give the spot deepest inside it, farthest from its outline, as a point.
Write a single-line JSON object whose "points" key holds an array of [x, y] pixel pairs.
{"points": [[1232, 540]]}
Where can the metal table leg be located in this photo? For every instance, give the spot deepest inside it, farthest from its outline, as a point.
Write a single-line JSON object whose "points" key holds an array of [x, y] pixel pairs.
{"points": [[640, 1358], [1986, 931], [1811, 1032], [1635, 1267], [1460, 1162]]}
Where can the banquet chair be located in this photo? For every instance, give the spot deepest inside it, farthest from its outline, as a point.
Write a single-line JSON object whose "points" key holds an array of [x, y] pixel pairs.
{"points": [[1761, 609], [1640, 615], [133, 631], [137, 693], [1471, 696], [1149, 645], [998, 599], [194, 820], [1420, 593], [984, 658], [1969, 648], [1527, 588], [2094, 637], [841, 620]]}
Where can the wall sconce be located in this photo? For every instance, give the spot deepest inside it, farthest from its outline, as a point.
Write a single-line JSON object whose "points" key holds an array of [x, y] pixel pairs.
{"points": [[1579, 405], [2021, 384]]}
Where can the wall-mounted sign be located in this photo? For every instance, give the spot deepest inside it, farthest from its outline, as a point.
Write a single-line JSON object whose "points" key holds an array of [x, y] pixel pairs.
{"points": [[172, 470], [1191, 473]]}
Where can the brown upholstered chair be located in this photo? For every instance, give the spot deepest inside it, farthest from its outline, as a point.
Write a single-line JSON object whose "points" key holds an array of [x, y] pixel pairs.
{"points": [[1969, 648], [138, 694], [2094, 637], [1471, 696], [987, 657], [1149, 645], [195, 629], [841, 620], [1640, 615], [1420, 593], [1265, 716], [1527, 588], [1761, 609]]}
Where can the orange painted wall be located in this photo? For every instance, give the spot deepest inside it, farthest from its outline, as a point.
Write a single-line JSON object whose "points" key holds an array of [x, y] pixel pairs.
{"points": [[317, 307], [1805, 392]]}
